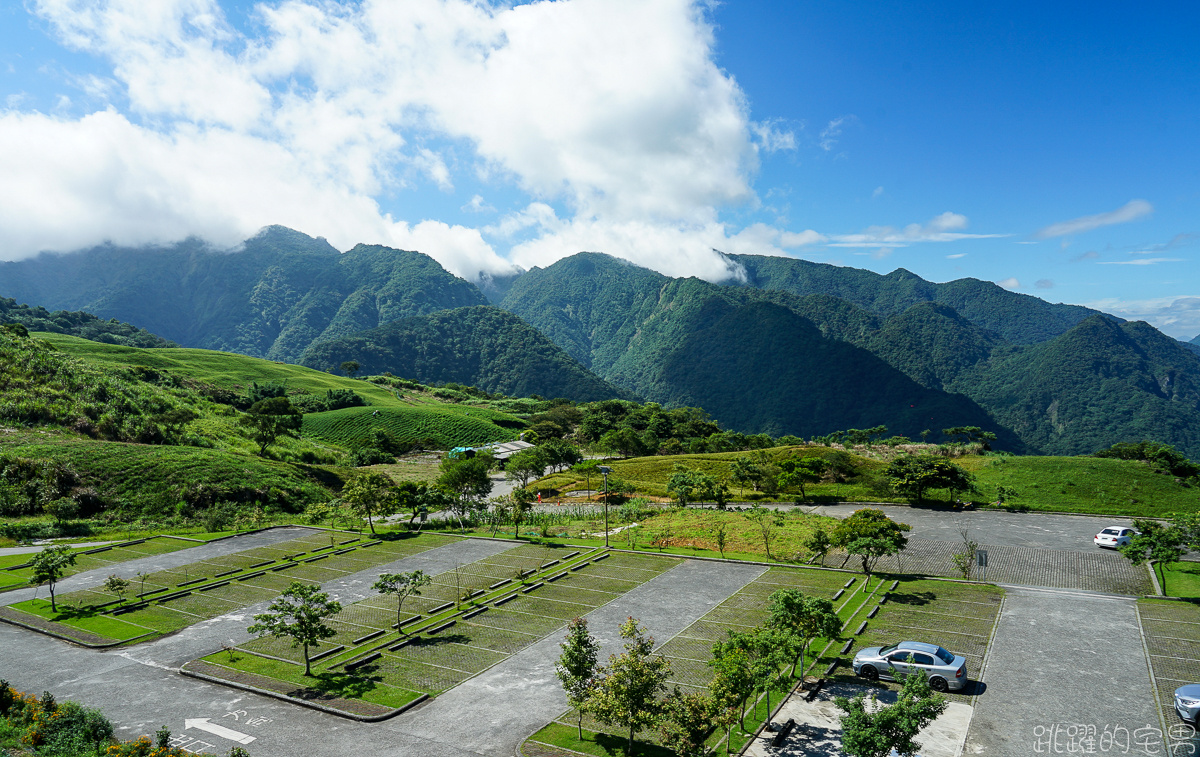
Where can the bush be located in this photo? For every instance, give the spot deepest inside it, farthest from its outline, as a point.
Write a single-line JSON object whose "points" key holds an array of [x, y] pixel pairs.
{"points": [[370, 456]]}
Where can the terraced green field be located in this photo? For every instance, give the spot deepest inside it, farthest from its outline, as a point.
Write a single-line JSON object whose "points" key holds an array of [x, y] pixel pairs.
{"points": [[443, 426]]}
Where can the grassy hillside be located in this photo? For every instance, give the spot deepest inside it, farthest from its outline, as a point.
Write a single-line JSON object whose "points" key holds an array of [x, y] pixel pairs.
{"points": [[434, 427], [154, 479], [416, 414], [1101, 486]]}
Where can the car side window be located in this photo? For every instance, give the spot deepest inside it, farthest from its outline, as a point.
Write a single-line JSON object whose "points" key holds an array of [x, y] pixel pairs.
{"points": [[899, 657], [922, 659]]}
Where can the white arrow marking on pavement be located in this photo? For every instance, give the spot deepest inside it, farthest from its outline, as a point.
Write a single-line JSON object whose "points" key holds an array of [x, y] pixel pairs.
{"points": [[217, 730]]}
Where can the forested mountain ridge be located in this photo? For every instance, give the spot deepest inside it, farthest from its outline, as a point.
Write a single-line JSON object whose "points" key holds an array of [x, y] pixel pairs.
{"points": [[79, 324], [685, 341], [272, 298], [481, 346], [1018, 318], [755, 360]]}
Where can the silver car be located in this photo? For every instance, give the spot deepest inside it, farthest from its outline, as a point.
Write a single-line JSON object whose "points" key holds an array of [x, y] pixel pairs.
{"points": [[945, 670], [1187, 702]]}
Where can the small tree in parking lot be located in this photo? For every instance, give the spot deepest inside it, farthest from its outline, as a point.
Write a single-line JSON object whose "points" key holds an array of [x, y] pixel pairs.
{"points": [[49, 566], [299, 614], [876, 732]]}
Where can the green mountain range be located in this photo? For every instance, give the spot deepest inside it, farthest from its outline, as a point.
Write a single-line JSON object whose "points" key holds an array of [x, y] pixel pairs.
{"points": [[480, 346], [787, 346], [274, 297]]}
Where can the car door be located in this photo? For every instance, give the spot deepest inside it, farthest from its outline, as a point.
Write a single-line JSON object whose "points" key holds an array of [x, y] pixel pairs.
{"points": [[899, 664], [922, 662]]}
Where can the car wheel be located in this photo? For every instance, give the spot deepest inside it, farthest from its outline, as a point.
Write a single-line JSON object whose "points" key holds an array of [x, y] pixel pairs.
{"points": [[938, 684], [868, 672]]}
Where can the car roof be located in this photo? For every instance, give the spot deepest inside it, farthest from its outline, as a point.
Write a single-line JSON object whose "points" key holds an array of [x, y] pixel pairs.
{"points": [[918, 646]]}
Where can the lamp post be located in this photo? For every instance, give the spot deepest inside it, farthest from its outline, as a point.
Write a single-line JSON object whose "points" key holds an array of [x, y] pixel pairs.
{"points": [[605, 470]]}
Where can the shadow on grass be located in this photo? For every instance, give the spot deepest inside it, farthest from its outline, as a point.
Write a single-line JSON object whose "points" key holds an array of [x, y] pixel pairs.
{"points": [[341, 685], [911, 598], [615, 745], [440, 640]]}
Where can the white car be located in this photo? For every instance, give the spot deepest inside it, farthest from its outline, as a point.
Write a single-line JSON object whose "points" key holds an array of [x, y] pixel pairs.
{"points": [[1187, 702], [1114, 536]]}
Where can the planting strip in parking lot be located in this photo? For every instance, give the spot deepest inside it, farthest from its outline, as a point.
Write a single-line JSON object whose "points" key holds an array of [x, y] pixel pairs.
{"points": [[690, 650], [471, 618], [169, 600], [1171, 631], [17, 576]]}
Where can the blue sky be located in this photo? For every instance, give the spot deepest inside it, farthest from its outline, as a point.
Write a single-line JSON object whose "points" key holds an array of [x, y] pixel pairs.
{"points": [[1048, 147]]}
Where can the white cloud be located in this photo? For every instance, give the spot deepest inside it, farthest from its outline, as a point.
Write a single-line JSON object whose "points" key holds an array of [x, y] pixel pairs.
{"points": [[612, 109], [878, 191], [942, 228], [1177, 315], [1044, 284], [956, 256], [1009, 283], [833, 130], [1140, 261], [1130, 211]]}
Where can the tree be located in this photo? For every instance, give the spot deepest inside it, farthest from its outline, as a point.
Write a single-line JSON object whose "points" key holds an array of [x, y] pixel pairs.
{"points": [[624, 442], [269, 419], [819, 543], [351, 367], [808, 618], [749, 470], [685, 722], [577, 666], [63, 509], [797, 473], [370, 494], [468, 480], [766, 651], [697, 486], [522, 502], [965, 560], [732, 683], [559, 454], [49, 566], [768, 521], [876, 733], [299, 614], [627, 692], [1155, 542], [912, 475], [526, 465], [117, 585], [720, 533], [871, 535], [403, 586]]}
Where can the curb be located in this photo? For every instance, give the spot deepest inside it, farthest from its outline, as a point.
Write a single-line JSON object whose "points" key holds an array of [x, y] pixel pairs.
{"points": [[303, 702]]}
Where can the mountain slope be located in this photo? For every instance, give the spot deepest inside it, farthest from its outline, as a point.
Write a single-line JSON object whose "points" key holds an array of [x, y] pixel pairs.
{"points": [[1017, 318], [272, 298], [79, 324], [757, 361], [481, 346], [1095, 385]]}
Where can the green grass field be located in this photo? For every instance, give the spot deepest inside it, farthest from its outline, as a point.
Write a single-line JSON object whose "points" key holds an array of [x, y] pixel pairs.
{"points": [[447, 425], [1179, 579], [1101, 486]]}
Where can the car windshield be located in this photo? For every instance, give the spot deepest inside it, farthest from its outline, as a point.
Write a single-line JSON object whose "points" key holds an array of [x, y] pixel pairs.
{"points": [[885, 650], [944, 656]]}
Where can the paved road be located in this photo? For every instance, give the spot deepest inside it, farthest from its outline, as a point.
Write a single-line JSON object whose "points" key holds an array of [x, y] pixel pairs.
{"points": [[1061, 658]]}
